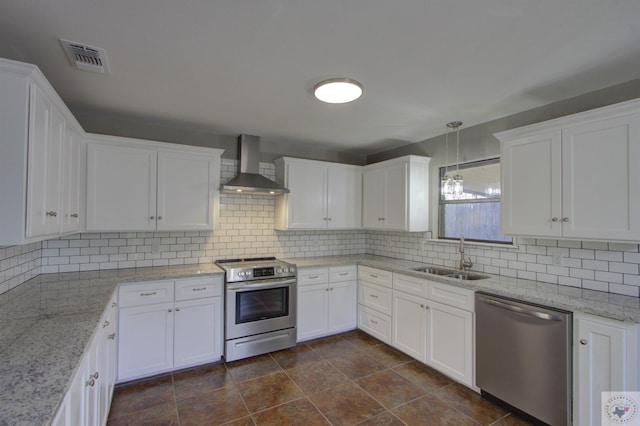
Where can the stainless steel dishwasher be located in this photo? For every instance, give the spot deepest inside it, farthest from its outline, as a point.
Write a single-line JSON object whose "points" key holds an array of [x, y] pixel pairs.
{"points": [[523, 356]]}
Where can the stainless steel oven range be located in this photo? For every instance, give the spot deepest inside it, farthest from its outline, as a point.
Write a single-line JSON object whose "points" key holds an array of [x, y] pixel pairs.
{"points": [[260, 306]]}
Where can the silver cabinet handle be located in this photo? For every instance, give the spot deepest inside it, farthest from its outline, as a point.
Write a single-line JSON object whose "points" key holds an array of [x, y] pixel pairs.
{"points": [[554, 219], [313, 277], [375, 296], [421, 306], [373, 276], [331, 289], [52, 213], [90, 382], [159, 217], [583, 342], [326, 289], [523, 311], [199, 289], [374, 322], [153, 293], [565, 219], [95, 375], [106, 324], [177, 309], [343, 274], [170, 310], [152, 217], [328, 218], [114, 304], [112, 336], [75, 215]]}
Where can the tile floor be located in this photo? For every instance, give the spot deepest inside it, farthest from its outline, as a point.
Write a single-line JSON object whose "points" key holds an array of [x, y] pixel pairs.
{"points": [[346, 379]]}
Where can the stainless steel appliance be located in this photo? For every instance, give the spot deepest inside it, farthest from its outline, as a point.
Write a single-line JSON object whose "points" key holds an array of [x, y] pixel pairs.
{"points": [[260, 306], [523, 356]]}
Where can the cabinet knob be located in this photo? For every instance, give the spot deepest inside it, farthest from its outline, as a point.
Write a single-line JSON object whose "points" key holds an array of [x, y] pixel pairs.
{"points": [[106, 324], [170, 310], [74, 215], [114, 304], [565, 219], [52, 213], [583, 342], [177, 309], [90, 382], [112, 336], [159, 217], [554, 219], [152, 217], [421, 306], [95, 375], [328, 218], [326, 289]]}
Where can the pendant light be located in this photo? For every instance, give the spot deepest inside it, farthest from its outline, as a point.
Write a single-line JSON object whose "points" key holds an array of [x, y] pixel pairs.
{"points": [[446, 184], [457, 184]]}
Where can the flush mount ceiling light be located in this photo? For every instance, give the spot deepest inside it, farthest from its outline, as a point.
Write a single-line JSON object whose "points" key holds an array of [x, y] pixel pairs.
{"points": [[338, 90]]}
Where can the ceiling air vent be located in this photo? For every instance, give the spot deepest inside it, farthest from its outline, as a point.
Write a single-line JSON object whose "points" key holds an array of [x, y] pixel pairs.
{"points": [[86, 58]]}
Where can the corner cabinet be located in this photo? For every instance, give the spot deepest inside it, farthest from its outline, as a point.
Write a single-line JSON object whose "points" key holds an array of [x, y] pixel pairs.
{"points": [[135, 185], [574, 177], [605, 360], [322, 195], [40, 159], [396, 194]]}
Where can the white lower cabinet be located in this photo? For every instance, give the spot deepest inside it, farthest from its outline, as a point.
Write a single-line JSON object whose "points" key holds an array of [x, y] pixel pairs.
{"points": [[410, 325], [326, 301], [605, 360], [166, 325], [88, 399]]}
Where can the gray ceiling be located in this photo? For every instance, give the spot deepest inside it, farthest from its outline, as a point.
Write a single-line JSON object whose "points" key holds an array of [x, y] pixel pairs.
{"points": [[248, 66]]}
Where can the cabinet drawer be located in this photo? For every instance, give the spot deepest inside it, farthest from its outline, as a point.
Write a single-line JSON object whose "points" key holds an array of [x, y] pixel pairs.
{"points": [[376, 276], [374, 323], [313, 276], [198, 288], [147, 293], [411, 285], [452, 296], [375, 297], [343, 273]]}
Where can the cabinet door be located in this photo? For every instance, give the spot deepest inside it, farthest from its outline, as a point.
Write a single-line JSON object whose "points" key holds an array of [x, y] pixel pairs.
{"points": [[73, 174], [344, 198], [145, 344], [601, 179], [77, 396], [121, 188], [395, 200], [531, 185], [601, 351], [107, 353], [307, 201], [186, 187], [409, 325], [197, 332], [46, 132], [313, 311], [343, 302], [373, 198], [450, 342]]}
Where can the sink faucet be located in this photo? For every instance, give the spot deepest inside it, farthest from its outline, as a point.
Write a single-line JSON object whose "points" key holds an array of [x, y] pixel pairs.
{"points": [[464, 263]]}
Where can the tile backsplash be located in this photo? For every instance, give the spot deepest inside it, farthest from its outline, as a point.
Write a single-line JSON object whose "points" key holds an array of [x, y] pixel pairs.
{"points": [[246, 229]]}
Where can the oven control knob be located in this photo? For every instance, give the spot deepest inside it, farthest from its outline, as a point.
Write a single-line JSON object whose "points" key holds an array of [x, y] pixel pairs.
{"points": [[291, 269], [241, 274], [278, 271]]}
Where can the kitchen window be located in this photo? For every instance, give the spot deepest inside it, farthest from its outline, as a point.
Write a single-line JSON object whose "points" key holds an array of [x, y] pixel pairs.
{"points": [[475, 213]]}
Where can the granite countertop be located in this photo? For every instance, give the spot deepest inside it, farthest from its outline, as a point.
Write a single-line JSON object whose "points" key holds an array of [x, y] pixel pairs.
{"points": [[46, 324], [623, 308]]}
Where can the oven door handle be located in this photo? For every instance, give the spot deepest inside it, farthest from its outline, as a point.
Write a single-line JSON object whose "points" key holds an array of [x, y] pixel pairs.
{"points": [[266, 284]]}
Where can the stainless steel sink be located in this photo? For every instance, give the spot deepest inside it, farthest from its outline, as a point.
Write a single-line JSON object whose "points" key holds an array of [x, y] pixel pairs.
{"points": [[434, 270], [467, 276], [449, 273]]}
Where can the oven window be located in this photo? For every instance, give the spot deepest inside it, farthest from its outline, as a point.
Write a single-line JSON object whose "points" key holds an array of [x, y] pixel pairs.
{"points": [[257, 305]]}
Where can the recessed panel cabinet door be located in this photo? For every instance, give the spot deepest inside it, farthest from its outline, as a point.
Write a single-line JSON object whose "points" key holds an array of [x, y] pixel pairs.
{"points": [[46, 132], [73, 178], [343, 302], [409, 325], [601, 179], [307, 199], [396, 197], [313, 311], [373, 183], [185, 191], [344, 198], [531, 189], [121, 188], [197, 332]]}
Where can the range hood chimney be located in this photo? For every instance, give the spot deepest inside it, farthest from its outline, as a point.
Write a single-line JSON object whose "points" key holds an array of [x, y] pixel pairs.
{"points": [[249, 180]]}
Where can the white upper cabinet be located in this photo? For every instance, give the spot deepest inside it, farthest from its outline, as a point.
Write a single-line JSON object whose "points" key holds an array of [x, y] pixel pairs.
{"points": [[575, 177], [396, 194], [36, 129], [135, 185], [322, 195]]}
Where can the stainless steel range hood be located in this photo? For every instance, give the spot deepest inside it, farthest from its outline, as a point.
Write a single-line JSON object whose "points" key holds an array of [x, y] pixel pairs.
{"points": [[249, 180]]}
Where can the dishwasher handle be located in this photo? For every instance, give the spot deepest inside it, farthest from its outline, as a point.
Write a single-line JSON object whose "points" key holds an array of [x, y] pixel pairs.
{"points": [[523, 311]]}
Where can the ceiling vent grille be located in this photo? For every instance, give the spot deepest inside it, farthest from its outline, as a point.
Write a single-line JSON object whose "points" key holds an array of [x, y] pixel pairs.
{"points": [[86, 58]]}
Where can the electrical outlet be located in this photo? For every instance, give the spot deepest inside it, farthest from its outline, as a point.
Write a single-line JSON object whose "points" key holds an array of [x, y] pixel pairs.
{"points": [[556, 258]]}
